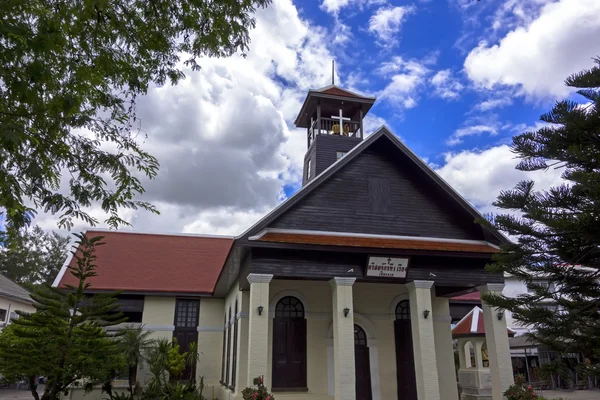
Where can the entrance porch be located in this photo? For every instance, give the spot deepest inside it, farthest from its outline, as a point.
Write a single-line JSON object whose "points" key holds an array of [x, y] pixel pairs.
{"points": [[341, 339]]}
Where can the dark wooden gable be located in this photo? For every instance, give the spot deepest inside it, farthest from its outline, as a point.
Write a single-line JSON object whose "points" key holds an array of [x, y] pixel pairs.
{"points": [[381, 191]]}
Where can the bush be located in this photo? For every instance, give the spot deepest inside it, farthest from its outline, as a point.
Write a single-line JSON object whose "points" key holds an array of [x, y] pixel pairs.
{"points": [[258, 393], [521, 390]]}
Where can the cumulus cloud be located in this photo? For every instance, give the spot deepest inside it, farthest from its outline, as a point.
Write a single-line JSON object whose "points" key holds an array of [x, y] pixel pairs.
{"points": [[334, 6], [540, 53], [480, 175], [406, 78], [386, 23], [372, 122], [224, 136], [491, 104], [473, 130], [446, 85]]}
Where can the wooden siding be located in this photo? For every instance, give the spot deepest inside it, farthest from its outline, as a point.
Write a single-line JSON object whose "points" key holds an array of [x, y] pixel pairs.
{"points": [[346, 202], [354, 241], [310, 155], [445, 271], [326, 148]]}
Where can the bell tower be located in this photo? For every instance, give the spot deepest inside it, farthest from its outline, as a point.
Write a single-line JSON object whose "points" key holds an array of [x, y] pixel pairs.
{"points": [[333, 118]]}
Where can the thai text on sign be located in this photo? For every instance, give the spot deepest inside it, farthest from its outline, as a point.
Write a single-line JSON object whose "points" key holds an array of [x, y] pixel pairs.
{"points": [[387, 267]]}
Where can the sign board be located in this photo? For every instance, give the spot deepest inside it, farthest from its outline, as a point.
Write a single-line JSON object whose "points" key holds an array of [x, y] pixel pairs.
{"points": [[387, 267]]}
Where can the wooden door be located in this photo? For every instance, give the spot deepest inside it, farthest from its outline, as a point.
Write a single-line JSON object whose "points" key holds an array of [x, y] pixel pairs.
{"points": [[186, 328], [289, 345], [362, 365], [405, 363]]}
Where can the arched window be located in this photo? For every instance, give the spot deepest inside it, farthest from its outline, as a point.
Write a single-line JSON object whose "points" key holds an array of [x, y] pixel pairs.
{"points": [[235, 333], [289, 344], [362, 365], [469, 350], [360, 337], [485, 361], [403, 310], [289, 307], [228, 347]]}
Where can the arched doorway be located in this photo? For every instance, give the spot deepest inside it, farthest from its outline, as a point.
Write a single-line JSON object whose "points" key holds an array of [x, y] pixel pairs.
{"points": [[405, 363], [362, 364], [289, 344]]}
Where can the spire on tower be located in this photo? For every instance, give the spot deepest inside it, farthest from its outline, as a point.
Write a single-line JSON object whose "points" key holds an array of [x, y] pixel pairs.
{"points": [[333, 72]]}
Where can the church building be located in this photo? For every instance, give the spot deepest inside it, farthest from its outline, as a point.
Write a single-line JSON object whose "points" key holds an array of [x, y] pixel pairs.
{"points": [[341, 292]]}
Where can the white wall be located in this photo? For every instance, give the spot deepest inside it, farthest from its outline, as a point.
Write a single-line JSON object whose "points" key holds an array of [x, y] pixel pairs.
{"points": [[11, 305], [514, 288]]}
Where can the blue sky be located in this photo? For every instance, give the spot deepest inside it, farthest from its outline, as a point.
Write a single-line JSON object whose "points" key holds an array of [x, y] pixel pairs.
{"points": [[455, 80], [439, 36]]}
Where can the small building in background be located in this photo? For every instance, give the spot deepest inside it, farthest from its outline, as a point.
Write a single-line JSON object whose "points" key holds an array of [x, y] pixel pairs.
{"points": [[12, 298]]}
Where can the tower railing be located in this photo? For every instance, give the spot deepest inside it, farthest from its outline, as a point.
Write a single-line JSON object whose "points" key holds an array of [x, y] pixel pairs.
{"points": [[331, 126]]}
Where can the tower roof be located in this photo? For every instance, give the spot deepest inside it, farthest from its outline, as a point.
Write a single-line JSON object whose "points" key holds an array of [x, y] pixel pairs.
{"points": [[338, 91], [337, 98]]}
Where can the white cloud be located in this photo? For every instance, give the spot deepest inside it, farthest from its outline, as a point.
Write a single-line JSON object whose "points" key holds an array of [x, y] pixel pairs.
{"points": [[480, 175], [387, 22], [490, 104], [401, 89], [224, 136], [223, 221], [407, 77], [341, 32], [445, 85], [513, 13], [473, 130], [334, 6], [372, 122], [536, 57]]}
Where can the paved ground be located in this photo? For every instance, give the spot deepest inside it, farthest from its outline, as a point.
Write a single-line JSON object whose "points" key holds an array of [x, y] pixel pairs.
{"points": [[571, 394], [13, 394]]}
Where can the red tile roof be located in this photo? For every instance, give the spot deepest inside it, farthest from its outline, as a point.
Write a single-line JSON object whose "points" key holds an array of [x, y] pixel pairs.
{"points": [[472, 324], [156, 263], [474, 296]]}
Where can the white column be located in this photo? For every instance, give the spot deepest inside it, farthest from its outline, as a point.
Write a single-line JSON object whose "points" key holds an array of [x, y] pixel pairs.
{"points": [[428, 387], [496, 337], [444, 352], [258, 327], [343, 339]]}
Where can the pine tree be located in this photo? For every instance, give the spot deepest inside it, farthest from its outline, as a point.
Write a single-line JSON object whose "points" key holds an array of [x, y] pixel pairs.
{"points": [[65, 340], [557, 230]]}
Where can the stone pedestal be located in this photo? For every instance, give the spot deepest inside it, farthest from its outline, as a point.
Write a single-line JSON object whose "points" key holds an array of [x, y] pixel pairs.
{"points": [[474, 379]]}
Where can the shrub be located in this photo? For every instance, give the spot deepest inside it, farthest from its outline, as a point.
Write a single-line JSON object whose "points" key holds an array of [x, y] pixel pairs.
{"points": [[520, 390], [258, 393]]}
